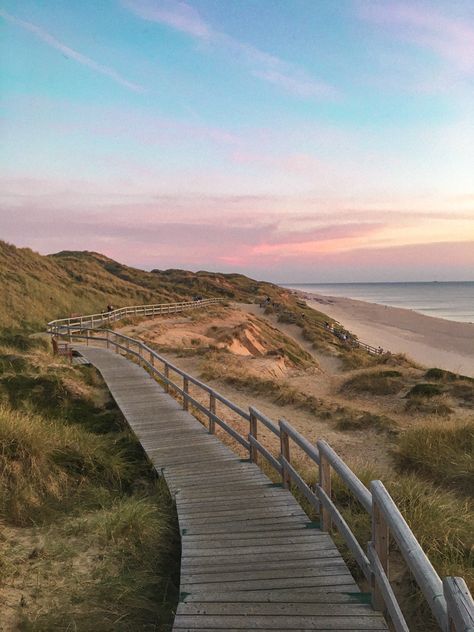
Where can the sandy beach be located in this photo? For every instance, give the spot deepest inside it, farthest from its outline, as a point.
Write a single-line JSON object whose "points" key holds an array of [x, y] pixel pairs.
{"points": [[433, 342]]}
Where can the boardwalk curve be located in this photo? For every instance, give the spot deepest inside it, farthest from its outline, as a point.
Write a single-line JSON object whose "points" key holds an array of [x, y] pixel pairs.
{"points": [[251, 559]]}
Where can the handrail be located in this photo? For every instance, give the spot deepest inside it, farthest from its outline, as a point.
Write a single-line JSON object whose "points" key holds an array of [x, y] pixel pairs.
{"points": [[426, 576], [90, 320], [449, 601]]}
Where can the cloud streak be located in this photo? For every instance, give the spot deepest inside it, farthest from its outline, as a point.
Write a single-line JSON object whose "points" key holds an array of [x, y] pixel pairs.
{"points": [[269, 68], [452, 39], [70, 53]]}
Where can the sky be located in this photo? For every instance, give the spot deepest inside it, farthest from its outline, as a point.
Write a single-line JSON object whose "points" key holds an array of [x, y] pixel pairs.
{"points": [[290, 140]]}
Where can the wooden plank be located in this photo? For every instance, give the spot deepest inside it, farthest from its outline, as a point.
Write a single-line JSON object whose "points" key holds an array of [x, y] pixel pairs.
{"points": [[273, 608], [228, 622]]}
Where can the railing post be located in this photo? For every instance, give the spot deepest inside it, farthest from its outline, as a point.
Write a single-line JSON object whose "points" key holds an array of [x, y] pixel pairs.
{"points": [[212, 409], [87, 337], [380, 542], [185, 393], [253, 452], [152, 359], [107, 336], [285, 453], [460, 605], [325, 484], [140, 355], [167, 374]]}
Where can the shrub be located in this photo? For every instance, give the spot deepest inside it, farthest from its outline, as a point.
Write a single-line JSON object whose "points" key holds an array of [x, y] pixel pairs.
{"points": [[463, 391], [425, 390], [367, 421], [440, 374], [429, 406], [375, 383]]}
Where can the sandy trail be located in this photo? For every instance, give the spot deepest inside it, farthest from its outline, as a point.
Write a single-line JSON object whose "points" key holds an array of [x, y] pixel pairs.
{"points": [[433, 342]]}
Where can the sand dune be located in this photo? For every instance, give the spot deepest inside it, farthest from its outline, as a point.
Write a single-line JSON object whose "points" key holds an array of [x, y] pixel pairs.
{"points": [[430, 341]]}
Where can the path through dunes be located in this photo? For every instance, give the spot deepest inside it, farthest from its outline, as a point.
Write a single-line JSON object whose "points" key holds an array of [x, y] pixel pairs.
{"points": [[251, 559]]}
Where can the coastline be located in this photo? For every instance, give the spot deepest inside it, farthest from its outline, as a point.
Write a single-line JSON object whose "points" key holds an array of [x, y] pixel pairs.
{"points": [[430, 341]]}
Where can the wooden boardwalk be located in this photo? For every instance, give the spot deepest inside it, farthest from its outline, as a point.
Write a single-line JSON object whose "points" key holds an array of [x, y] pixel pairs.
{"points": [[251, 559]]}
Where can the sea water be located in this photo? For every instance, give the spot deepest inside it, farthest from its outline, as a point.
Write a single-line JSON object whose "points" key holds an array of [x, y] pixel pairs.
{"points": [[449, 300]]}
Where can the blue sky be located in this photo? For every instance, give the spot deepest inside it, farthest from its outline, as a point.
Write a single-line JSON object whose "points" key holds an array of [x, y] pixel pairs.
{"points": [[294, 140]]}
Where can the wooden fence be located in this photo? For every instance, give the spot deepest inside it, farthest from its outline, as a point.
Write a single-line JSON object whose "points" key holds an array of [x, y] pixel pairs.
{"points": [[449, 600], [94, 320]]}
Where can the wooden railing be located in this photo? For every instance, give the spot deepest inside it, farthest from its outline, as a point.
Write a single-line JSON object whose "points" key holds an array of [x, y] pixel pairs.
{"points": [[93, 320], [449, 601]]}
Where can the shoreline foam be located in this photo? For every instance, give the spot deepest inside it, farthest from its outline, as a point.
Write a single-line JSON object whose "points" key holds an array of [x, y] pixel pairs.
{"points": [[431, 341]]}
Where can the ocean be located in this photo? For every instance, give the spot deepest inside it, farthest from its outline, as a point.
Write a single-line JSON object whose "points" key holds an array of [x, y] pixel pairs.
{"points": [[449, 300]]}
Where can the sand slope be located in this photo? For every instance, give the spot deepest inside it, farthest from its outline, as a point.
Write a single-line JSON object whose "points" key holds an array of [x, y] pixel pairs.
{"points": [[433, 342]]}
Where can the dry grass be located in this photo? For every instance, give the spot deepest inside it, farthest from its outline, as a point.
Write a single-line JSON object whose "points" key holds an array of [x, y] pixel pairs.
{"points": [[442, 452], [218, 366], [90, 538]]}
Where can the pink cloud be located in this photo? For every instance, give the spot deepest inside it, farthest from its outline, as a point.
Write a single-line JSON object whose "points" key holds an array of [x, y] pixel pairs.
{"points": [[70, 53]]}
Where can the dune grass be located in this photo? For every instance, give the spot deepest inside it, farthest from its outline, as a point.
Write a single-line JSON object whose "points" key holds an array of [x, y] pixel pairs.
{"points": [[441, 452], [90, 539]]}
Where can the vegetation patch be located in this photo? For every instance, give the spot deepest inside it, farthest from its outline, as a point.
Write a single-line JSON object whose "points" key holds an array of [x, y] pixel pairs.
{"points": [[429, 406], [368, 421], [79, 502], [425, 390], [443, 453], [375, 383], [441, 375]]}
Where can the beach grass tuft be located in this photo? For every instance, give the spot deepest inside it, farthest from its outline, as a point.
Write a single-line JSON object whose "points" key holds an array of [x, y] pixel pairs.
{"points": [[442, 453], [384, 382]]}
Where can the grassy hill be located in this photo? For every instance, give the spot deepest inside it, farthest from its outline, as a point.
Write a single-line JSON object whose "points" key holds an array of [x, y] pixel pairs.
{"points": [[37, 288]]}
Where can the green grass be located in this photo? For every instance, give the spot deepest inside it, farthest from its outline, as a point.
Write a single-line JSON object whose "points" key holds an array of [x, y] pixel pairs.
{"points": [[441, 452]]}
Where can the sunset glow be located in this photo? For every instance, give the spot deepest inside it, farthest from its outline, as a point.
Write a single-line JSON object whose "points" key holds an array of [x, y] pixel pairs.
{"points": [[293, 141]]}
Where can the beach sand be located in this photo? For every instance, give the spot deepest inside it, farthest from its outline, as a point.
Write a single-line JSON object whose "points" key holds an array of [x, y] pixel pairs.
{"points": [[432, 342]]}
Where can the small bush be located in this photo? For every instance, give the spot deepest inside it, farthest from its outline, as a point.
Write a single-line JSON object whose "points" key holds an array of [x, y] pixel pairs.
{"points": [[426, 406], [425, 390], [440, 374], [367, 421], [375, 383], [463, 391]]}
